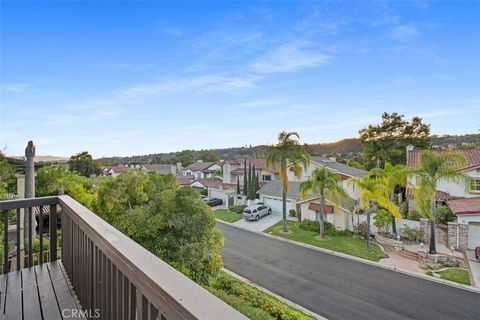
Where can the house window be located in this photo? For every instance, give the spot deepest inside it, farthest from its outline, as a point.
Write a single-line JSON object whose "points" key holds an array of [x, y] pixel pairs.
{"points": [[475, 185], [266, 177]]}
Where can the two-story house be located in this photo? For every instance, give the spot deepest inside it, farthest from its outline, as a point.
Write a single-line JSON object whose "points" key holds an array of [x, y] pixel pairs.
{"points": [[235, 169], [463, 199], [202, 170]]}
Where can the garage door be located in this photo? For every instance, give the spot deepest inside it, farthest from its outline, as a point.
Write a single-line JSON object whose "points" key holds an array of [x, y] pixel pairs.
{"points": [[276, 204], [473, 235]]}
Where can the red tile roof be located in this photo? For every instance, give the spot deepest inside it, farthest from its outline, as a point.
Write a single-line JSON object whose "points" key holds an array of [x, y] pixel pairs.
{"points": [[465, 206], [210, 182], [472, 156], [119, 169], [185, 181]]}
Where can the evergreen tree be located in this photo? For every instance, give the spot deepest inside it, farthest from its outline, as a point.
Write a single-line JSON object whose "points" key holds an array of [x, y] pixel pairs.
{"points": [[245, 181], [257, 183], [249, 181], [238, 185]]}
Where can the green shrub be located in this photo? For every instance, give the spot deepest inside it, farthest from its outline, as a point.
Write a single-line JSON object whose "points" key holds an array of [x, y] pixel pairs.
{"points": [[412, 233], [444, 215], [404, 209], [382, 220], [204, 192], [292, 213], [237, 209], [333, 232], [310, 225], [245, 296]]}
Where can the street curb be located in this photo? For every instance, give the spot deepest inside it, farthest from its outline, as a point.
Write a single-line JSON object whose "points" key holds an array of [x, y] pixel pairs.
{"points": [[284, 300], [372, 263]]}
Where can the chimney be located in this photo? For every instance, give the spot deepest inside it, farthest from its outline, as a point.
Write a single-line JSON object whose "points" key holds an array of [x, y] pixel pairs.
{"points": [[179, 168], [409, 147]]}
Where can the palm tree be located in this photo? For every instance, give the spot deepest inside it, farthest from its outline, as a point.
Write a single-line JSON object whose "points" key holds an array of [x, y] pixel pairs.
{"points": [[286, 153], [373, 193], [392, 176], [323, 183], [433, 167]]}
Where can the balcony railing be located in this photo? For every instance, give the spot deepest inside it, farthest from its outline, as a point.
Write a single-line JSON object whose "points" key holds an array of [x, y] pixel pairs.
{"points": [[112, 276]]}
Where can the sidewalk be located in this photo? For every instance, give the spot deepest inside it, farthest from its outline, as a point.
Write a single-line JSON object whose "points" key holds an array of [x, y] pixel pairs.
{"points": [[263, 223]]}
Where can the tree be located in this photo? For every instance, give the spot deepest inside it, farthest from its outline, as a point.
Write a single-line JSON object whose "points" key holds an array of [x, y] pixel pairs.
{"points": [[288, 152], [51, 181], [83, 164], [245, 178], [392, 177], [179, 228], [323, 183], [238, 185], [249, 181], [209, 156], [185, 157], [374, 193], [354, 164], [7, 176], [433, 167], [386, 142]]}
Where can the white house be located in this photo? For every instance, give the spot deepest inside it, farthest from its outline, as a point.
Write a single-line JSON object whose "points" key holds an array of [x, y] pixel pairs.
{"points": [[345, 172], [163, 168], [202, 170], [452, 189], [235, 169], [337, 214], [116, 170]]}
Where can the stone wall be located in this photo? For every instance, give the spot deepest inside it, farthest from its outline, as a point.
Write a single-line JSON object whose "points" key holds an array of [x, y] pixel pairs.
{"points": [[388, 241], [425, 226], [445, 260], [457, 235]]}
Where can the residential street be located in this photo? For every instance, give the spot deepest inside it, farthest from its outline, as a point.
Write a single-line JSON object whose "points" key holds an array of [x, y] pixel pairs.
{"points": [[339, 288]]}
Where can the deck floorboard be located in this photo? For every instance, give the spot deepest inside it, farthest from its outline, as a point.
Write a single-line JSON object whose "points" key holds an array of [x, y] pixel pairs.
{"points": [[39, 293]]}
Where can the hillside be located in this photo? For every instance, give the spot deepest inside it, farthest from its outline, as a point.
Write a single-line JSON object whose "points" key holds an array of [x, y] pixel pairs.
{"points": [[343, 149]]}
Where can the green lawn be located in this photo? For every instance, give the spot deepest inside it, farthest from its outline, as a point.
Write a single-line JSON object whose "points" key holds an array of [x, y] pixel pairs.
{"points": [[348, 245], [453, 274], [226, 215], [252, 302]]}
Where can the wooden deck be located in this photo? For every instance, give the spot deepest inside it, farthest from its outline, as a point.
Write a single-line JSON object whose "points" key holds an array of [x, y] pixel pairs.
{"points": [[42, 292]]}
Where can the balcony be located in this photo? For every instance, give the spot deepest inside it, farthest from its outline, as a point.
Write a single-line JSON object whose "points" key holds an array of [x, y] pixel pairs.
{"points": [[90, 271]]}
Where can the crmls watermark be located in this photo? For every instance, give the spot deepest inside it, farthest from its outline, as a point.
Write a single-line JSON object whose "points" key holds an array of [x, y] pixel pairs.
{"points": [[75, 313]]}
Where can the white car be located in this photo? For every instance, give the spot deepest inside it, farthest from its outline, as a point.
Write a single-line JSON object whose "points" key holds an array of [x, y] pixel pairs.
{"points": [[256, 212]]}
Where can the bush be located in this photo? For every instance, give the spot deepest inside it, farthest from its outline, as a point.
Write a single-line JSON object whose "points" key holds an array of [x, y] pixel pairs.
{"points": [[382, 220], [444, 215], [204, 192], [361, 229], [404, 209], [244, 295], [237, 209], [333, 232], [314, 226], [413, 215], [412, 233], [292, 213]]}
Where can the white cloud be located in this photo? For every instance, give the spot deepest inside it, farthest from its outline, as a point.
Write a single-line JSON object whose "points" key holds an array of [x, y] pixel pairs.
{"points": [[289, 57], [15, 87], [403, 32]]}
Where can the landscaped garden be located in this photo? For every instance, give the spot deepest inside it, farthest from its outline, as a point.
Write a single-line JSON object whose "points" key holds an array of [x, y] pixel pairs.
{"points": [[226, 215], [252, 302], [453, 274], [340, 241]]}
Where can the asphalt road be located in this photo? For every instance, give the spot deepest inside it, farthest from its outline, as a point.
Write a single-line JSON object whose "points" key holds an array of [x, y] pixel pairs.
{"points": [[339, 288]]}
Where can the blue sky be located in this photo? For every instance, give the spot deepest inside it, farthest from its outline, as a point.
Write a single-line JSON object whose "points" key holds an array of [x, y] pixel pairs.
{"points": [[124, 78]]}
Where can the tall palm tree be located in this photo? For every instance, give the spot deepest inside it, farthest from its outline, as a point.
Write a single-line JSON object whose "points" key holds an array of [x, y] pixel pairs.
{"points": [[392, 176], [433, 167], [288, 152], [323, 183], [373, 193]]}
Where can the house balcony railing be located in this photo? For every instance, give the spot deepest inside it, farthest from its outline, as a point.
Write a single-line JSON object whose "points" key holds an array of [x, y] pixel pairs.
{"points": [[89, 271]]}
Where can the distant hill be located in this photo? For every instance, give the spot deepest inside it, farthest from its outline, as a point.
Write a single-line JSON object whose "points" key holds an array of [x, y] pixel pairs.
{"points": [[342, 149]]}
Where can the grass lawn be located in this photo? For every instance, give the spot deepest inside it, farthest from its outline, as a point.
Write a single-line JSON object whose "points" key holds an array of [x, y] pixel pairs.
{"points": [[252, 302], [453, 274], [226, 215], [347, 245]]}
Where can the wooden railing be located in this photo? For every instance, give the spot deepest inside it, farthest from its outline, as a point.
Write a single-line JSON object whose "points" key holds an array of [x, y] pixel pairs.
{"points": [[112, 275]]}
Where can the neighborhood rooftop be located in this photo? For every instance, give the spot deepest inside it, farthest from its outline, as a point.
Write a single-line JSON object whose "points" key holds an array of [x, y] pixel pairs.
{"points": [[472, 157], [339, 167]]}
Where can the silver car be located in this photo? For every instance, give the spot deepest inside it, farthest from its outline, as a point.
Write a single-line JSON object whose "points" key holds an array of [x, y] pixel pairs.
{"points": [[256, 212]]}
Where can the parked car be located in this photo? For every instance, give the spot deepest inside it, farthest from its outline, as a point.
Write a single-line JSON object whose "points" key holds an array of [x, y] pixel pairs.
{"points": [[477, 253], [213, 201], [256, 212]]}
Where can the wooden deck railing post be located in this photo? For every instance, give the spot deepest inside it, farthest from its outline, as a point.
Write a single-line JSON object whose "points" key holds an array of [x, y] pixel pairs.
{"points": [[53, 232]]}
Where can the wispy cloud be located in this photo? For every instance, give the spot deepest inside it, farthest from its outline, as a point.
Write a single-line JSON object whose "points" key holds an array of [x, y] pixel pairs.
{"points": [[15, 87], [289, 57], [403, 32]]}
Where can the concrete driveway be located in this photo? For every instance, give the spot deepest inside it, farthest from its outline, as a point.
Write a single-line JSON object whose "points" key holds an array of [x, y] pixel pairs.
{"points": [[474, 267], [260, 225]]}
